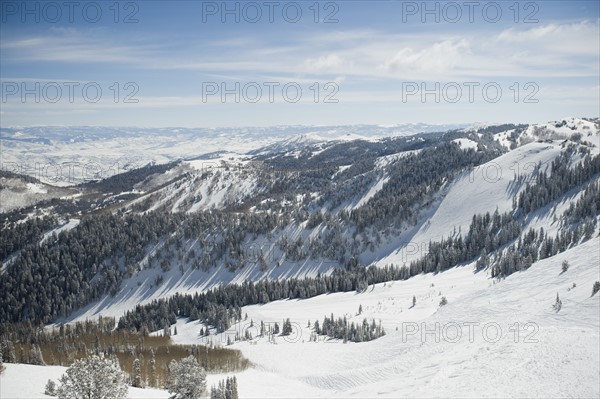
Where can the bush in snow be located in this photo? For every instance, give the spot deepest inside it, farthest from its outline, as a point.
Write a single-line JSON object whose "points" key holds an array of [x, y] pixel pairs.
{"points": [[93, 378], [557, 304], [565, 266], [596, 288], [187, 379], [443, 301], [50, 388]]}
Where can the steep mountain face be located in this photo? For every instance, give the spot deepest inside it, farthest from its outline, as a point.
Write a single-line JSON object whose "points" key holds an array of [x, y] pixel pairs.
{"points": [[501, 197]]}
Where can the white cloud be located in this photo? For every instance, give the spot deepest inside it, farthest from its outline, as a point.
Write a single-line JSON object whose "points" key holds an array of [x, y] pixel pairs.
{"points": [[74, 46], [325, 63], [439, 57], [580, 38]]}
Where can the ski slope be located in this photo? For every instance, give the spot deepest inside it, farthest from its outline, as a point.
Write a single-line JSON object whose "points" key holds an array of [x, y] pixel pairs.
{"points": [[506, 328], [484, 189]]}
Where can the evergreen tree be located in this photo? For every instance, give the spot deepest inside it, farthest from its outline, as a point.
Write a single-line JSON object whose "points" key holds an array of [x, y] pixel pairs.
{"points": [[93, 378], [187, 378], [225, 389], [234, 388], [596, 288], [287, 327], [50, 388], [35, 356], [136, 380], [8, 350], [557, 304], [152, 376]]}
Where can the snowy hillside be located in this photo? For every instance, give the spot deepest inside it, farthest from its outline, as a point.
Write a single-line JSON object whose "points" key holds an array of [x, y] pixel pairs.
{"points": [[489, 187], [488, 326], [485, 188], [442, 240], [584, 130]]}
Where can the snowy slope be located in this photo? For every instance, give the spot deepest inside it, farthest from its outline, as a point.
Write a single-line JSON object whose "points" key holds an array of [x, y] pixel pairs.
{"points": [[16, 193], [484, 189], [566, 128], [404, 362], [587, 129], [552, 354]]}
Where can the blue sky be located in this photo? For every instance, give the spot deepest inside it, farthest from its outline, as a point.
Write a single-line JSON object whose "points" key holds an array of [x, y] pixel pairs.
{"points": [[209, 64]]}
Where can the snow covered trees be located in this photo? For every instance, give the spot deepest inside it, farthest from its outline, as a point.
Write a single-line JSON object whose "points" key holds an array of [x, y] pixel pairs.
{"points": [[136, 379], [7, 349], [35, 356], [93, 378], [187, 379], [152, 376], [50, 388], [349, 331], [287, 327], [225, 390]]}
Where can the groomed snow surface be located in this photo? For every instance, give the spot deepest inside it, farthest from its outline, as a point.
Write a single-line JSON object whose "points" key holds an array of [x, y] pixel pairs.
{"points": [[493, 339]]}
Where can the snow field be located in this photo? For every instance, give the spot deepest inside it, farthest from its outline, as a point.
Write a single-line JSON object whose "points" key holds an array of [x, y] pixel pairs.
{"points": [[504, 328]]}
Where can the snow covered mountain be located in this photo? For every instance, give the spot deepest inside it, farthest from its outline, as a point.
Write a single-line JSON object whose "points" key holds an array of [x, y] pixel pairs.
{"points": [[64, 155], [312, 222]]}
